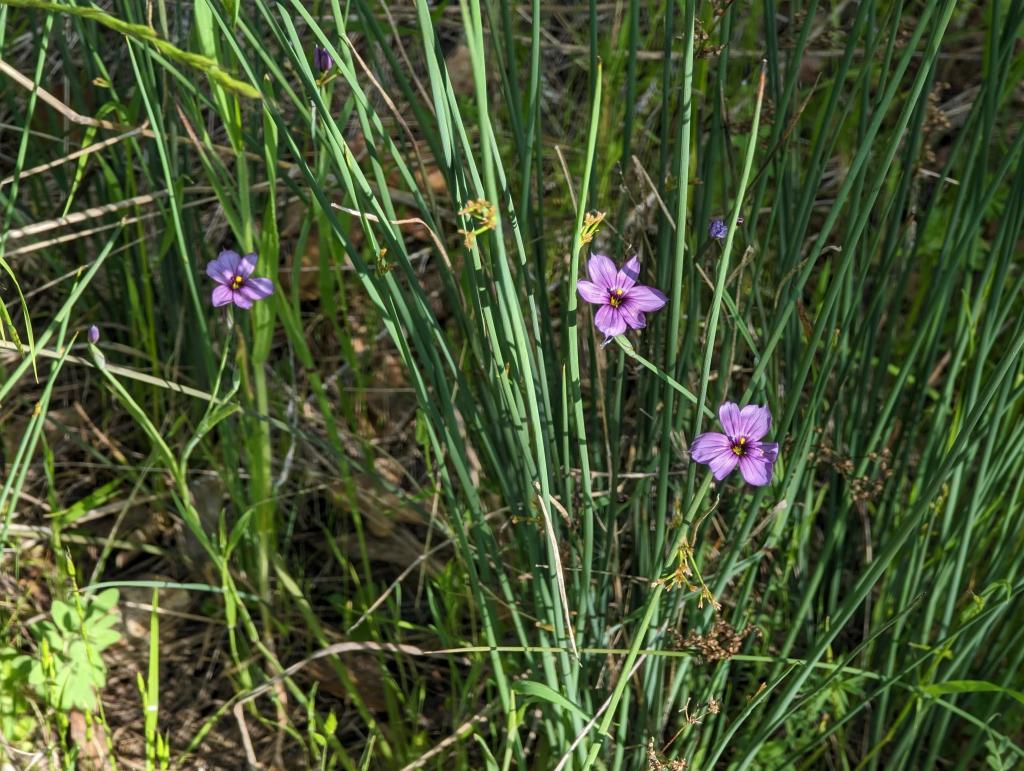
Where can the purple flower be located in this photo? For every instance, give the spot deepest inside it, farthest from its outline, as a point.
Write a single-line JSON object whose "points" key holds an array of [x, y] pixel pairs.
{"points": [[321, 59], [718, 229], [740, 444], [93, 334], [623, 301], [237, 284]]}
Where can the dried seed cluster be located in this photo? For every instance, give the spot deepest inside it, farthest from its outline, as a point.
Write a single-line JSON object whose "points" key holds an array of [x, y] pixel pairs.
{"points": [[721, 643], [866, 487], [654, 763]]}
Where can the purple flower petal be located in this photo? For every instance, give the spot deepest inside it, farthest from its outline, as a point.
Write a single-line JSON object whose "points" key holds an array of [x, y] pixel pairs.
{"points": [[755, 421], [591, 292], [610, 321], [646, 298], [225, 267], [241, 300], [729, 415], [256, 289], [722, 464], [769, 451], [707, 445], [222, 295], [715, 450], [321, 59], [633, 316], [755, 471], [247, 265], [602, 271], [628, 276]]}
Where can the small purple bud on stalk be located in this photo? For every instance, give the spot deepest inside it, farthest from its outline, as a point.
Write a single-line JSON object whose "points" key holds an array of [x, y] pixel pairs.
{"points": [[236, 284], [93, 334], [718, 229], [321, 59]]}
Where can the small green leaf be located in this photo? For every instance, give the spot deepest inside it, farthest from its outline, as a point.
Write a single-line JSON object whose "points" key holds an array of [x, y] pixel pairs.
{"points": [[106, 599], [539, 692], [64, 616], [492, 764], [971, 686], [238, 530]]}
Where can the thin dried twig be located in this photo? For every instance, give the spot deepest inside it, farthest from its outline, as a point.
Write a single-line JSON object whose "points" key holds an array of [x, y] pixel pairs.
{"points": [[408, 221], [664, 210], [331, 650], [559, 574], [47, 98], [86, 214], [657, 196], [460, 732], [391, 106], [410, 70], [401, 576], [243, 729], [565, 173], [593, 721], [49, 353], [93, 148], [83, 120]]}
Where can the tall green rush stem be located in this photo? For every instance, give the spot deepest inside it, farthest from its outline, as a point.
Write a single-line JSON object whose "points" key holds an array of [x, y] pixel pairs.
{"points": [[676, 292], [652, 674], [723, 263], [574, 352], [645, 623]]}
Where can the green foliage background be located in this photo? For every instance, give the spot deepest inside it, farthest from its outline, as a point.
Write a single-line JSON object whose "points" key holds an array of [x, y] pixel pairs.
{"points": [[577, 594]]}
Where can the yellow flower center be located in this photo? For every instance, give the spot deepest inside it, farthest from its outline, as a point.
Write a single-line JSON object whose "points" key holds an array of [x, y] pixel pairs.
{"points": [[236, 282], [616, 297], [739, 447]]}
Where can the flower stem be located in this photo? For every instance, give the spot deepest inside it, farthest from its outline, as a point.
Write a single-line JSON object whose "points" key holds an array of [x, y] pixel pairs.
{"points": [[723, 263], [630, 351]]}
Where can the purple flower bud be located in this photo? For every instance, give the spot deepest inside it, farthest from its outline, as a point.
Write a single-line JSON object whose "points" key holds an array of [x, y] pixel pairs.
{"points": [[718, 229], [94, 334], [321, 59]]}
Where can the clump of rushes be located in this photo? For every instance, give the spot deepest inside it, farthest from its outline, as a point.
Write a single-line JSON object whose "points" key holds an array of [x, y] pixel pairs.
{"points": [[322, 60], [237, 285], [740, 444], [623, 301]]}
